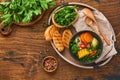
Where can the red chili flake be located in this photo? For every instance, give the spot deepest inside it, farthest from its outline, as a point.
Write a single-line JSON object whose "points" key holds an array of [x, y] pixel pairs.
{"points": [[50, 63]]}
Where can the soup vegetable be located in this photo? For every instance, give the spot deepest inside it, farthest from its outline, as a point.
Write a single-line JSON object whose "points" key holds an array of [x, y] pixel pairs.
{"points": [[65, 16], [86, 47]]}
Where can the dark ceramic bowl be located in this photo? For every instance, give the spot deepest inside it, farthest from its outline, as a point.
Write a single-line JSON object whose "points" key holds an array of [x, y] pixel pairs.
{"points": [[100, 46]]}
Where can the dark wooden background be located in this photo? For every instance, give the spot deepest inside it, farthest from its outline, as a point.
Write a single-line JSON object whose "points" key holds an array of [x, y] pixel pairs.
{"points": [[22, 51]]}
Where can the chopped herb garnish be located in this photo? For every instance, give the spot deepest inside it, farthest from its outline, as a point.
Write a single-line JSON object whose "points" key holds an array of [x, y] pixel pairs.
{"points": [[65, 16]]}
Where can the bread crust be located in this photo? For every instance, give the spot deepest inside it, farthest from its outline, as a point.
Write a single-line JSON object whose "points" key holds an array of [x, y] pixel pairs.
{"points": [[66, 36], [49, 32], [57, 40]]}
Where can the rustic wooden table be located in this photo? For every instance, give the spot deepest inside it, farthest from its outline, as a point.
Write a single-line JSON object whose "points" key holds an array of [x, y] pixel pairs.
{"points": [[20, 52]]}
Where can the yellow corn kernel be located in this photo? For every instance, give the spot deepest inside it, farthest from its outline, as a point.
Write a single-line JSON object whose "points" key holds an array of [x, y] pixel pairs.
{"points": [[82, 53]]}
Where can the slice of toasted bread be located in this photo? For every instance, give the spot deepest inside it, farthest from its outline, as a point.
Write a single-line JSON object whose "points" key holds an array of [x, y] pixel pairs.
{"points": [[66, 36], [57, 40], [53, 29], [47, 33]]}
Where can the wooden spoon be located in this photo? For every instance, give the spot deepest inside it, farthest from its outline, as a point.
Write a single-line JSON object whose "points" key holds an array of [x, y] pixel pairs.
{"points": [[90, 24], [103, 35], [89, 14]]}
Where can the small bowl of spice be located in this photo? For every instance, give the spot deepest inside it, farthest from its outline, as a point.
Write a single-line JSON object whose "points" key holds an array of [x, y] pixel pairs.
{"points": [[49, 64], [65, 16]]}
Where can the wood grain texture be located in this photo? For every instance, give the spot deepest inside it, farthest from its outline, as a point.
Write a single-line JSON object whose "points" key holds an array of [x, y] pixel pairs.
{"points": [[27, 47]]}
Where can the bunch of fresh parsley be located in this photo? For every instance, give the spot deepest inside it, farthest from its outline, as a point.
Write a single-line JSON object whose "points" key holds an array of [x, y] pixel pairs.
{"points": [[22, 11]]}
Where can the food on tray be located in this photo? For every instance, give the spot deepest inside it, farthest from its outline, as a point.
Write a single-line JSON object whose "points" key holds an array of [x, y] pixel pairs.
{"points": [[60, 40], [49, 32], [49, 64], [94, 42], [53, 29], [86, 47], [82, 53], [65, 16], [90, 21], [47, 35], [66, 36], [57, 40], [86, 37]]}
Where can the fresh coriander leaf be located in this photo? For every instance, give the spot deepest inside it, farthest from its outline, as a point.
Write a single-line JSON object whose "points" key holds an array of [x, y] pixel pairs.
{"points": [[6, 11], [44, 4], [6, 16], [6, 21], [37, 11], [16, 18], [51, 4], [1, 9], [5, 4]]}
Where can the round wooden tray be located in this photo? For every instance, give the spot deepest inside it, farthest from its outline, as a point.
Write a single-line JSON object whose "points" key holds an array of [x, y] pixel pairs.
{"points": [[66, 55]]}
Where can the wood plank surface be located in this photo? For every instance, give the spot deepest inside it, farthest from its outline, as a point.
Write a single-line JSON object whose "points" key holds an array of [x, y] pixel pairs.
{"points": [[27, 45]]}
